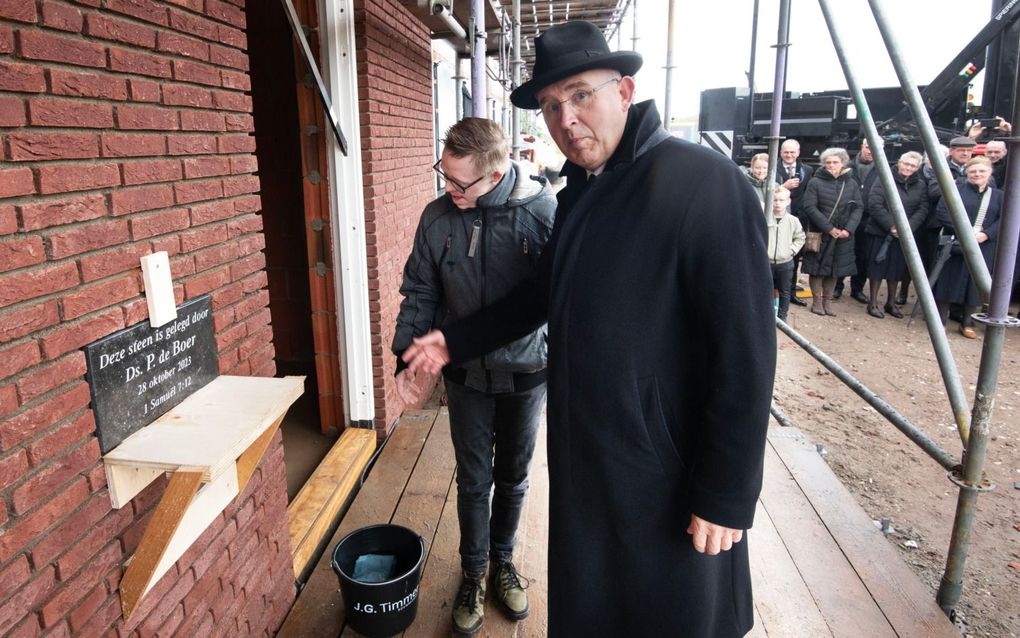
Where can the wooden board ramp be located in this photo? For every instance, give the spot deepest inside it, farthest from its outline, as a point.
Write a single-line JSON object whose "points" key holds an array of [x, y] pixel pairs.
{"points": [[315, 508], [820, 567]]}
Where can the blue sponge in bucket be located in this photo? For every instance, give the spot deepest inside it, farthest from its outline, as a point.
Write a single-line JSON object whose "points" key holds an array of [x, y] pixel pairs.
{"points": [[374, 568]]}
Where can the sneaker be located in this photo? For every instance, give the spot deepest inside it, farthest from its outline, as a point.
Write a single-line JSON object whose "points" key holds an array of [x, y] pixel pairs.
{"points": [[469, 607], [509, 590]]}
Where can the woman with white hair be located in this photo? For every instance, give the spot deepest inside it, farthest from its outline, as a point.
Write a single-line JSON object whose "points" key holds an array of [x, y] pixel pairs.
{"points": [[833, 207]]}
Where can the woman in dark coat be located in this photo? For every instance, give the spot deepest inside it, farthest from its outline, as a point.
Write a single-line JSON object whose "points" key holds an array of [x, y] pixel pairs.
{"points": [[885, 256], [954, 284], [832, 205]]}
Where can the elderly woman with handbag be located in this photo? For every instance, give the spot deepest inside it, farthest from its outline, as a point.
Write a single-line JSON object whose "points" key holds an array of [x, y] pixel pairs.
{"points": [[833, 207], [983, 205]]}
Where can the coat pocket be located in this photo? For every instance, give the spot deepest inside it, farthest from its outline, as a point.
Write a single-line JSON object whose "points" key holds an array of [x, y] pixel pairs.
{"points": [[657, 426]]}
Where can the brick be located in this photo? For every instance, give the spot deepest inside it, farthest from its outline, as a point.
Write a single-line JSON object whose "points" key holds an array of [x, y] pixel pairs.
{"points": [[189, 23], [250, 204], [12, 468], [24, 321], [206, 167], [89, 605], [27, 146], [197, 72], [20, 252], [101, 621], [214, 256], [145, 226], [227, 56], [26, 78], [23, 285], [144, 90], [30, 528], [197, 190], [59, 439], [14, 359], [240, 185], [8, 403], [18, 10], [88, 237], [69, 113], [250, 224], [120, 259], [46, 481], [147, 172], [50, 377], [6, 39], [26, 599], [147, 118], [12, 111], [89, 299], [40, 45], [107, 27], [213, 211], [185, 95], [232, 37], [75, 335], [235, 80], [65, 178], [202, 121], [207, 282], [75, 589], [194, 5], [89, 85], [236, 144], [139, 62], [62, 537], [16, 181], [232, 101], [63, 211], [225, 12], [182, 45], [61, 16], [139, 199], [8, 220], [191, 144], [239, 123], [146, 10], [127, 145], [203, 237], [36, 419], [244, 164]]}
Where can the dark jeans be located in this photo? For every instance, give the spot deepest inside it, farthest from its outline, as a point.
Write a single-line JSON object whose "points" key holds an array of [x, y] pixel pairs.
{"points": [[493, 440], [782, 281]]}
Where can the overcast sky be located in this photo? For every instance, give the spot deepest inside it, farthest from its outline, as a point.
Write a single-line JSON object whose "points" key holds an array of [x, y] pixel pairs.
{"points": [[713, 42]]}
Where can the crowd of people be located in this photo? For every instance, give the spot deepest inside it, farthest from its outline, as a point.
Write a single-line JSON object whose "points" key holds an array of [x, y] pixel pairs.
{"points": [[836, 222]]}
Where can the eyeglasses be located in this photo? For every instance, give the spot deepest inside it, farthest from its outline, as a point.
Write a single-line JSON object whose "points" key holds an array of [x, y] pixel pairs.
{"points": [[460, 188], [579, 99]]}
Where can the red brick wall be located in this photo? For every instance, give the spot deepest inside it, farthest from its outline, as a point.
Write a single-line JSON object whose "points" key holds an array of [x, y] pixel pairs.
{"points": [[124, 129], [395, 89]]}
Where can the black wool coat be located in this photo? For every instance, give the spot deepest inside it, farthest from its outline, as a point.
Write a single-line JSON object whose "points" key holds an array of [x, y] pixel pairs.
{"points": [[662, 345], [836, 256], [954, 284], [913, 192], [804, 172]]}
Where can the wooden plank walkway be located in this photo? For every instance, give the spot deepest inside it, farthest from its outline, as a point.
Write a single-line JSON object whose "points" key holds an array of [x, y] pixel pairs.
{"points": [[819, 565]]}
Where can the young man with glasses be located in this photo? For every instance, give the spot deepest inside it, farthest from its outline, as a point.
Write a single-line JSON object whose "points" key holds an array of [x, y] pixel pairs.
{"points": [[473, 244], [662, 339]]}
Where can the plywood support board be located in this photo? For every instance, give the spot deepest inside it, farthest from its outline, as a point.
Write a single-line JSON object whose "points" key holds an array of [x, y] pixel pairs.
{"points": [[210, 445]]}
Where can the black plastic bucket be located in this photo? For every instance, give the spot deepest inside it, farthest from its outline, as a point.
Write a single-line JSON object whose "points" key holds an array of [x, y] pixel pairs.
{"points": [[380, 609]]}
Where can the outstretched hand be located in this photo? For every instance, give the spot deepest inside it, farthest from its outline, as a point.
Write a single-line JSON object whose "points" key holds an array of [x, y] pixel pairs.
{"points": [[427, 353], [709, 538]]}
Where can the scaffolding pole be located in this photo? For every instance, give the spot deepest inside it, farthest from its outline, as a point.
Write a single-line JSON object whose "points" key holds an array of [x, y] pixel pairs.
{"points": [[517, 63], [782, 47], [670, 39], [478, 95]]}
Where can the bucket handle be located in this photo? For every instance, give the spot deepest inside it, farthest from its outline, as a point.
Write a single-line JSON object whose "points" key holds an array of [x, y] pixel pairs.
{"points": [[336, 568]]}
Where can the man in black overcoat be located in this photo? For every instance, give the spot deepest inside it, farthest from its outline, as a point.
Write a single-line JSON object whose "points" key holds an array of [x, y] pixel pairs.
{"points": [[658, 296]]}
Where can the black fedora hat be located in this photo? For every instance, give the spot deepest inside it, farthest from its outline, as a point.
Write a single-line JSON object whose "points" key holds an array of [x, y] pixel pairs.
{"points": [[567, 49]]}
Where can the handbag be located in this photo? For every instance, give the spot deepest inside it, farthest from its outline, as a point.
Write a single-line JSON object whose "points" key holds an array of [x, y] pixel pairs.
{"points": [[813, 239]]}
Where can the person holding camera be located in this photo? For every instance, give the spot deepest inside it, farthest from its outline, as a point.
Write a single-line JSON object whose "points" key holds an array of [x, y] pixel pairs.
{"points": [[987, 128]]}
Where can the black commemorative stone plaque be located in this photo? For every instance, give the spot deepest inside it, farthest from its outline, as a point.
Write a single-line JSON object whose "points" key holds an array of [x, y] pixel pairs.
{"points": [[139, 373]]}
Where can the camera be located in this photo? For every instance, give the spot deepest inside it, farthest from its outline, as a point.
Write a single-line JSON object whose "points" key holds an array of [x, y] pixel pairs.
{"points": [[992, 122]]}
